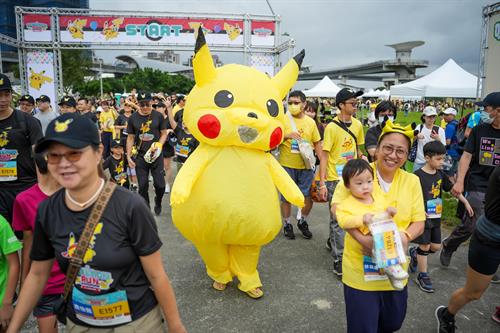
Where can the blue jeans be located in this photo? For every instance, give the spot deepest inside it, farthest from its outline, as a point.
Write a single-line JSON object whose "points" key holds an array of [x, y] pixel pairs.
{"points": [[336, 232]]}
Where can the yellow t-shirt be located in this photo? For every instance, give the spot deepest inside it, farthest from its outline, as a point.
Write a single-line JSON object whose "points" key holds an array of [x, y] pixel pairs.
{"points": [[443, 124], [405, 194], [341, 146], [107, 119], [350, 211], [289, 149]]}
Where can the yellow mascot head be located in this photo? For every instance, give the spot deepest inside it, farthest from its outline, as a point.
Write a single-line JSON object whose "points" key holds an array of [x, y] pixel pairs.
{"points": [[236, 105]]}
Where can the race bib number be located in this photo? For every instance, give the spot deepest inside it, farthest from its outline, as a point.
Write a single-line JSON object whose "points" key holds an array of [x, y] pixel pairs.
{"points": [[294, 147], [370, 270], [182, 151], [434, 208], [8, 165], [102, 310]]}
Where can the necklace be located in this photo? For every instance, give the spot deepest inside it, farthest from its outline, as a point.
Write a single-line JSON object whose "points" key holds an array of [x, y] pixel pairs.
{"points": [[83, 204]]}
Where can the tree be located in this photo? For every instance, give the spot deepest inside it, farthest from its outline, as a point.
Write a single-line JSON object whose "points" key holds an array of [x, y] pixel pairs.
{"points": [[75, 67]]}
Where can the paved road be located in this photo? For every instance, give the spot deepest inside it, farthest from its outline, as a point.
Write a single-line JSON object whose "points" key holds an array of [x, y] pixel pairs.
{"points": [[301, 293]]}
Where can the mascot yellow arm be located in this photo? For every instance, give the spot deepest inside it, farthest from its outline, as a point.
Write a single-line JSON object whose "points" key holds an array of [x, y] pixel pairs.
{"points": [[188, 175], [284, 183]]}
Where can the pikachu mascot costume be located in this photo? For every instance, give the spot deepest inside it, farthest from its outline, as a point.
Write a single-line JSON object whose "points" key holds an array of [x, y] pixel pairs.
{"points": [[225, 197]]}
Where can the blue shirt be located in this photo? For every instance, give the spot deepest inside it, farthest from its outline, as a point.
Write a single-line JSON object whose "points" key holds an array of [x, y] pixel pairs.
{"points": [[450, 133], [474, 119]]}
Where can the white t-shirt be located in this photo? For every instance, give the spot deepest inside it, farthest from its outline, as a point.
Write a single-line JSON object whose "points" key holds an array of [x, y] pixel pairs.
{"points": [[427, 138], [45, 118]]}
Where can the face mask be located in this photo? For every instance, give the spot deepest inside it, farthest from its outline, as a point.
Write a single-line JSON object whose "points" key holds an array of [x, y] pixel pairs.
{"points": [[294, 109], [381, 119], [485, 117]]}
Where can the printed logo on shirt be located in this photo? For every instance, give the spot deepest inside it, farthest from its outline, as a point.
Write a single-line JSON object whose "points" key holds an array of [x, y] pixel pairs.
{"points": [[93, 279], [3, 137], [121, 176], [347, 145], [72, 244], [12, 240], [436, 189], [489, 152]]}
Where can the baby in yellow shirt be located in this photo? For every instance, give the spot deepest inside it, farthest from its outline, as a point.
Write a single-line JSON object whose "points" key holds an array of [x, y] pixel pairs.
{"points": [[359, 209]]}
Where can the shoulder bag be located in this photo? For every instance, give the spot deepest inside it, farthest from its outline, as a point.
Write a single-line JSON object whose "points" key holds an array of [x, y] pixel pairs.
{"points": [[305, 148]]}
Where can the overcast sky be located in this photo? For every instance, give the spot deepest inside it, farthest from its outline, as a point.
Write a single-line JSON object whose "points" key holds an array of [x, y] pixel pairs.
{"points": [[337, 33]]}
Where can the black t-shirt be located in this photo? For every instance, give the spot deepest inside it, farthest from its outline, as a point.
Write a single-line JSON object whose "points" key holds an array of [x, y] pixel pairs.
{"points": [[91, 116], [111, 265], [146, 129], [432, 187], [492, 198], [185, 144], [371, 138], [18, 133], [117, 170], [121, 121], [484, 145]]}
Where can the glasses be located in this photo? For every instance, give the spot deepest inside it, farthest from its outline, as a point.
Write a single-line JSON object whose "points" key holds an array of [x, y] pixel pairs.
{"points": [[388, 150], [143, 104], [352, 103], [72, 156], [293, 103]]}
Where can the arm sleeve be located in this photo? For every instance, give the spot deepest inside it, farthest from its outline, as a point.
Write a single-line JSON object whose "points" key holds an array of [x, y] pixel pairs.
{"points": [[442, 136], [315, 134], [8, 241], [130, 127], [418, 208], [340, 193], [470, 145], [449, 131], [142, 230], [19, 218], [42, 248], [346, 219], [34, 129]]}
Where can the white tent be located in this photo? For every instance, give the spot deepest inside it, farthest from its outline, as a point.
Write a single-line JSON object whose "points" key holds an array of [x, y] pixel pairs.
{"points": [[382, 94], [449, 80], [325, 88]]}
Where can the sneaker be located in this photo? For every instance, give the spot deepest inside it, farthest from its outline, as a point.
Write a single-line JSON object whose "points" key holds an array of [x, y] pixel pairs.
{"points": [[288, 231], [328, 245], [396, 271], [424, 282], [157, 209], [445, 257], [496, 278], [496, 315], [444, 325], [167, 188], [304, 228], [337, 268], [133, 187], [412, 267]]}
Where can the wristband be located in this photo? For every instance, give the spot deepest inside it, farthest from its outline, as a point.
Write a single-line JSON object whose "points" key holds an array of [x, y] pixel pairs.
{"points": [[408, 235]]}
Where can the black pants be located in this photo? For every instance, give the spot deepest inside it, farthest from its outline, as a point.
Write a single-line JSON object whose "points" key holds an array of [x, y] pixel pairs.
{"points": [[142, 169], [106, 138]]}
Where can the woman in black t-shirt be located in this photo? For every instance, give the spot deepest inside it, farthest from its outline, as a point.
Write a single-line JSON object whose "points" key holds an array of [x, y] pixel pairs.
{"points": [[122, 280]]}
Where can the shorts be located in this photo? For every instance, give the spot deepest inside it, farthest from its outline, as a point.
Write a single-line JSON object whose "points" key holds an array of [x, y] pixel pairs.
{"points": [[131, 172], [484, 254], [303, 178], [168, 150], [432, 233], [45, 305]]}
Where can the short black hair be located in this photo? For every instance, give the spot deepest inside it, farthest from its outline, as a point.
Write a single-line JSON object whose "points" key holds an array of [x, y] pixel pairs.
{"points": [[385, 106], [41, 163], [353, 168], [299, 94], [312, 105], [84, 99], [434, 148]]}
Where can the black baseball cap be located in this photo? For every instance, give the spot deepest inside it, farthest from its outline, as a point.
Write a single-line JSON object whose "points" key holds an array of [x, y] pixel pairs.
{"points": [[68, 100], [27, 98], [346, 93], [143, 96], [43, 98], [159, 105], [5, 82], [71, 130], [492, 99], [116, 143]]}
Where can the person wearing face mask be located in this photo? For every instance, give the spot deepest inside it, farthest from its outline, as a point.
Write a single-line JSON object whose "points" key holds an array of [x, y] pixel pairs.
{"points": [[303, 128], [383, 109], [476, 165]]}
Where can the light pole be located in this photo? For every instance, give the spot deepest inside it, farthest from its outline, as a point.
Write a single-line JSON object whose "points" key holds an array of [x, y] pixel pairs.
{"points": [[100, 74]]}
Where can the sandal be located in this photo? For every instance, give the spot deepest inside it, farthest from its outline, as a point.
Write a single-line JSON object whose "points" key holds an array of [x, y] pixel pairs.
{"points": [[219, 286], [255, 293]]}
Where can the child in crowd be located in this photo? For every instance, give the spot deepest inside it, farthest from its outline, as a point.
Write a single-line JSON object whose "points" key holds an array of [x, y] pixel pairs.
{"points": [[184, 142], [115, 163], [433, 182], [9, 271], [358, 210]]}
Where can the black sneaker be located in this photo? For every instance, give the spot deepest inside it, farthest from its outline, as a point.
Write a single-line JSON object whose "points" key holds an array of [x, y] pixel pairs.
{"points": [[304, 228], [133, 188], [157, 209], [445, 257], [444, 325], [337, 268], [288, 231], [412, 267]]}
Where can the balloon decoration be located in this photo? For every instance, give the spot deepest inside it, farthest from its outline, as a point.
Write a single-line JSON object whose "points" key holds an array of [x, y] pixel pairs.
{"points": [[225, 198]]}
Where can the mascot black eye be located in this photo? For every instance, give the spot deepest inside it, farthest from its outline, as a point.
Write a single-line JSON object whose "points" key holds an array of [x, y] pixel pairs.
{"points": [[272, 108], [223, 99]]}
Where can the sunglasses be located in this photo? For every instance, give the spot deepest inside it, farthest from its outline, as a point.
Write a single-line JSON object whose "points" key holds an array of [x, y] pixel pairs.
{"points": [[143, 104], [71, 156]]}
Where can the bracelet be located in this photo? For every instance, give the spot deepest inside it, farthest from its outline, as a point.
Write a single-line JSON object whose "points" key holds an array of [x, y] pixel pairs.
{"points": [[407, 235]]}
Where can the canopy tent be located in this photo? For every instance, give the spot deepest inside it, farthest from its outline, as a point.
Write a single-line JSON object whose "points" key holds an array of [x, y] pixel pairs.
{"points": [[325, 88], [382, 94], [449, 80]]}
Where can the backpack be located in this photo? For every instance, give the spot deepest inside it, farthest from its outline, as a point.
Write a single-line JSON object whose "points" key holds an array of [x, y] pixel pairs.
{"points": [[461, 127]]}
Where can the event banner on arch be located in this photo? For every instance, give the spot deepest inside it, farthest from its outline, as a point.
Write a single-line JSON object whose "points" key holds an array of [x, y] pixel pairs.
{"points": [[87, 29]]}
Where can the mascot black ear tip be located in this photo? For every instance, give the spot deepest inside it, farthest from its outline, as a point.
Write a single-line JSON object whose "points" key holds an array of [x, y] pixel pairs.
{"points": [[300, 57], [413, 125], [200, 40]]}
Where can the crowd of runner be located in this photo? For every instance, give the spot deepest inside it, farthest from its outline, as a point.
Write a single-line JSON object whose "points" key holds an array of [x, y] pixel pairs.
{"points": [[53, 166]]}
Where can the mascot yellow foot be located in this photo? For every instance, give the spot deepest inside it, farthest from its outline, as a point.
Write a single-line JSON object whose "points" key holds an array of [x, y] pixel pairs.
{"points": [[225, 197]]}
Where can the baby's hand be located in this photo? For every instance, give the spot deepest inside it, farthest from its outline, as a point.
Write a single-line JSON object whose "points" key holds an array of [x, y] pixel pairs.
{"points": [[391, 211], [367, 218]]}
